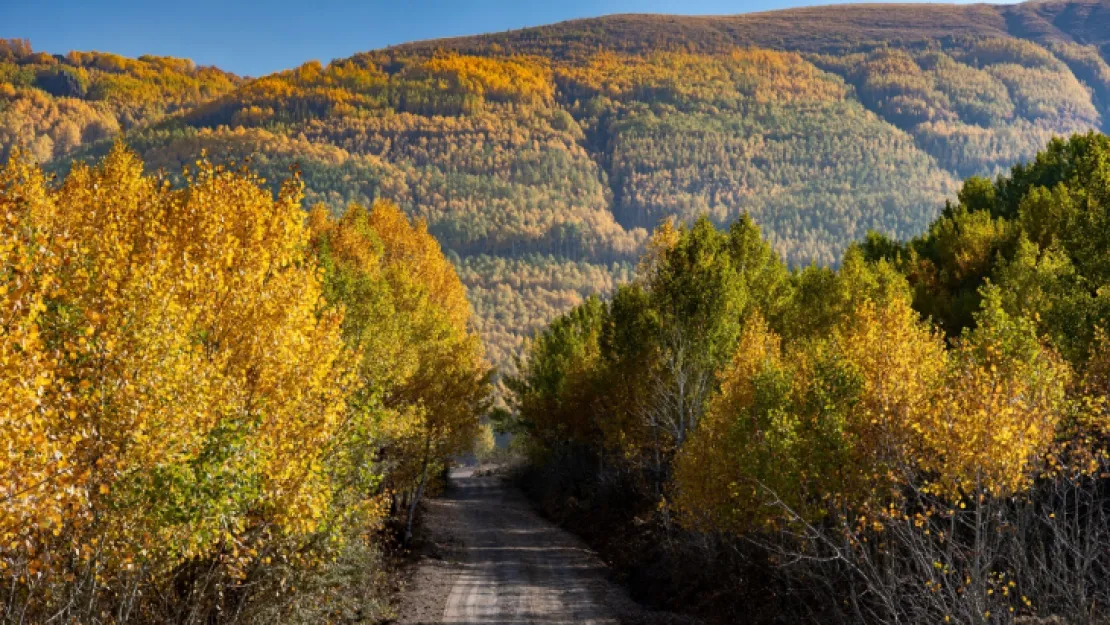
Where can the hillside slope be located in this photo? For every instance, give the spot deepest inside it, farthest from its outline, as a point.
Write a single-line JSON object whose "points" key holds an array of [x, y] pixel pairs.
{"points": [[542, 157], [54, 104], [838, 28]]}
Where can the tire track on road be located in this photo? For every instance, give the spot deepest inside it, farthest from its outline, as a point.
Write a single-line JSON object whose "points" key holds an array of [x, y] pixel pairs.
{"points": [[519, 569]]}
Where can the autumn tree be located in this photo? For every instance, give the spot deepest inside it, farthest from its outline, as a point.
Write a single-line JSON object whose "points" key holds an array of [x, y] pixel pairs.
{"points": [[181, 381], [408, 321]]}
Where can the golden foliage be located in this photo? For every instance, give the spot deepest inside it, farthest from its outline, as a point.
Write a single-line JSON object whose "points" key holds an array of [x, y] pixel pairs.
{"points": [[52, 127], [408, 322], [879, 406], [53, 105], [171, 320], [765, 76], [819, 420], [498, 79], [998, 411], [175, 386]]}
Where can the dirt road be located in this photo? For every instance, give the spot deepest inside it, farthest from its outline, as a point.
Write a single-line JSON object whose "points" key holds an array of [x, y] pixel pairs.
{"points": [[507, 566]]}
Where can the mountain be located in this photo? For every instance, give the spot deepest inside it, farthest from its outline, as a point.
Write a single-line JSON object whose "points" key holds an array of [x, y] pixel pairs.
{"points": [[541, 158]]}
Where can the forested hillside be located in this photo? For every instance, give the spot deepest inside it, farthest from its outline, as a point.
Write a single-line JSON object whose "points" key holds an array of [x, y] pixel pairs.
{"points": [[541, 158], [54, 104]]}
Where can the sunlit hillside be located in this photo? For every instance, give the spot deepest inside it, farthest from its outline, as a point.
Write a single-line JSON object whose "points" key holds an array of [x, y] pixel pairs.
{"points": [[541, 158]]}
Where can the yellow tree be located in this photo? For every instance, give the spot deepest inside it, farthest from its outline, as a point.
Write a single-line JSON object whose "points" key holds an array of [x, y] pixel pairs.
{"points": [[191, 375], [1002, 400], [37, 489], [747, 438], [900, 361], [409, 321], [821, 422]]}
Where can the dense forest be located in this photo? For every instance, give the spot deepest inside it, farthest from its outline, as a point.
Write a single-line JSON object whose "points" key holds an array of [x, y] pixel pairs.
{"points": [[916, 436], [556, 149], [215, 410]]}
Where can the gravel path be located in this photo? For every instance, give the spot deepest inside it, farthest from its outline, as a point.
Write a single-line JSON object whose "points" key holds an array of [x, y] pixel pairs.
{"points": [[502, 564]]}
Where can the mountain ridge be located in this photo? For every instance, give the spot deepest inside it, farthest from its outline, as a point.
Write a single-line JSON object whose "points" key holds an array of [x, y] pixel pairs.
{"points": [[981, 19]]}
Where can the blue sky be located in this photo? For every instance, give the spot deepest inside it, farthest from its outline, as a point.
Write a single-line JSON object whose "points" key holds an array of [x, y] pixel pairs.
{"points": [[253, 37]]}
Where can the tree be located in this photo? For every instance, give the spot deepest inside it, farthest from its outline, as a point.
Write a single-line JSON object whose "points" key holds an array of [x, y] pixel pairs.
{"points": [[1003, 398], [408, 320], [182, 382]]}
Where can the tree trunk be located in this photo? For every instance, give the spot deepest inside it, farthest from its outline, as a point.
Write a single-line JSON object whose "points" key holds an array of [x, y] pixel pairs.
{"points": [[419, 493]]}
